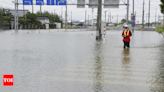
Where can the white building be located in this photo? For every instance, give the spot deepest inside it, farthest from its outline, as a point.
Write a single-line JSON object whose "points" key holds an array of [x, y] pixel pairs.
{"points": [[44, 20], [89, 22]]}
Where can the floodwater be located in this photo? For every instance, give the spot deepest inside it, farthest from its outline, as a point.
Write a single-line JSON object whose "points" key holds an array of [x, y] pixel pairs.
{"points": [[74, 61]]}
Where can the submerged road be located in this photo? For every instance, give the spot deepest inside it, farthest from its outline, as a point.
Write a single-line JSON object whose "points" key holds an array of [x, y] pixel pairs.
{"points": [[76, 62]]}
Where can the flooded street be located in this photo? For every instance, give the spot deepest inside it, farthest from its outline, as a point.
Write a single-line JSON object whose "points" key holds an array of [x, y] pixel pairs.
{"points": [[76, 62]]}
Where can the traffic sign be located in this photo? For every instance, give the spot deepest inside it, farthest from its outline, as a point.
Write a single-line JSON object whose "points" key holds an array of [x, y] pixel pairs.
{"points": [[93, 2], [39, 2], [61, 2], [111, 2], [133, 18], [51, 2], [27, 2], [81, 2]]}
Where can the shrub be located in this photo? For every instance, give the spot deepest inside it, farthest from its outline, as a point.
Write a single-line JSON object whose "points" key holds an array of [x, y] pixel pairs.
{"points": [[160, 29]]}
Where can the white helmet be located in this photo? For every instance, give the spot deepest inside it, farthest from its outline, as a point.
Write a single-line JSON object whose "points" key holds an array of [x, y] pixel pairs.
{"points": [[126, 26]]}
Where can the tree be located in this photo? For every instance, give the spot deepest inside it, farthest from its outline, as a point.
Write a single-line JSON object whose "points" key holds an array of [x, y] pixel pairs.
{"points": [[162, 6], [30, 19], [124, 21], [52, 17], [7, 17]]}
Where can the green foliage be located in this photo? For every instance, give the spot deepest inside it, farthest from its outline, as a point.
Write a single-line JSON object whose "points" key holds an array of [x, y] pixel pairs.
{"points": [[31, 19], [162, 6], [7, 17], [116, 24], [160, 29], [124, 21], [52, 17]]}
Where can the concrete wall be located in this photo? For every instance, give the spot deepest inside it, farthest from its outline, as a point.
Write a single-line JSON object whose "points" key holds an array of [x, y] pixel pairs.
{"points": [[58, 25], [44, 21], [47, 26]]}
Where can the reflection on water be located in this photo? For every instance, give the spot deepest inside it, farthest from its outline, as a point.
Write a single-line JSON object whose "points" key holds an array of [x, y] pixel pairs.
{"points": [[158, 84], [125, 63], [97, 86], [125, 56]]}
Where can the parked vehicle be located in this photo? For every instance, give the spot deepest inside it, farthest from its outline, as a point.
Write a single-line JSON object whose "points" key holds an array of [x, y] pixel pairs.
{"points": [[75, 24], [80, 24], [111, 25]]}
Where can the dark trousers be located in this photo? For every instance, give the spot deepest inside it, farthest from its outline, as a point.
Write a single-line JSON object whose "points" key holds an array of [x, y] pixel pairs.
{"points": [[126, 44]]}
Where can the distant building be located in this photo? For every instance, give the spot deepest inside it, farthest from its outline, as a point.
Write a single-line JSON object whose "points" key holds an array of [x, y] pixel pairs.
{"points": [[44, 20], [21, 13]]}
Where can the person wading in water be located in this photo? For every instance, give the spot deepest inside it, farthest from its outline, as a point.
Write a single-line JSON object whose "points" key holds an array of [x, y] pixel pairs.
{"points": [[126, 36]]}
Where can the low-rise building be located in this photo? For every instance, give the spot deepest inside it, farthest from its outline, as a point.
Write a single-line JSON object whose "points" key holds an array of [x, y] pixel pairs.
{"points": [[21, 13], [44, 20]]}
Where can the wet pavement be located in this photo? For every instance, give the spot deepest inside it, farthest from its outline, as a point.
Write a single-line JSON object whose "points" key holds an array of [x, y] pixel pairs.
{"points": [[76, 62]]}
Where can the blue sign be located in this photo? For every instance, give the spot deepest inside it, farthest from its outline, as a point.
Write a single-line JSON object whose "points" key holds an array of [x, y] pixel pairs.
{"points": [[133, 18], [39, 2], [61, 2], [51, 2], [27, 2]]}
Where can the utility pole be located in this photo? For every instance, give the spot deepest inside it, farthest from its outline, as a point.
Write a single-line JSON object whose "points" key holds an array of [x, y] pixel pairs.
{"points": [[85, 17], [16, 15], [54, 16], [127, 22], [92, 16], [32, 9], [117, 18], [71, 18], [88, 19], [66, 16], [108, 17], [155, 16], [105, 16], [143, 14], [23, 12], [40, 9], [133, 17], [149, 15], [61, 12], [146, 19], [158, 20], [99, 11]]}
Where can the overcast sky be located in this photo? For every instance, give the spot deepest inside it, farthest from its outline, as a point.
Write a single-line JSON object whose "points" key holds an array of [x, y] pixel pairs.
{"points": [[79, 13]]}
